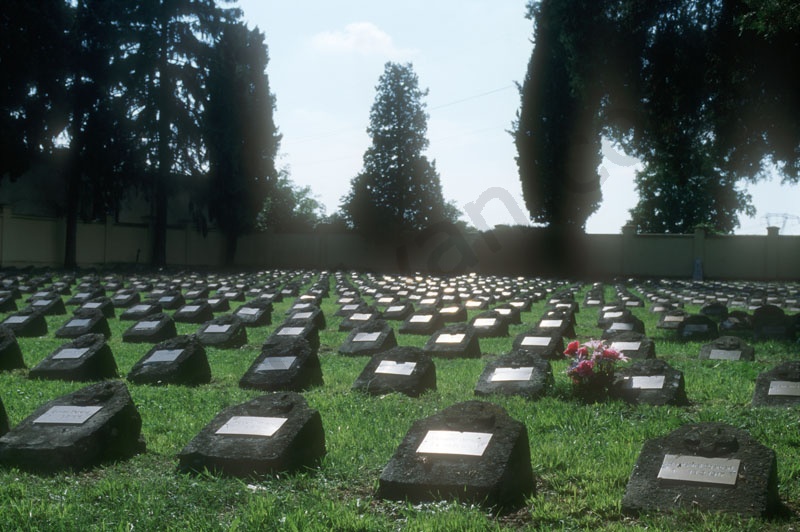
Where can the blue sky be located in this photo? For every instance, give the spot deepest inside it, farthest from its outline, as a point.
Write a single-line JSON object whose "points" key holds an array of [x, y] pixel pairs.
{"points": [[325, 61]]}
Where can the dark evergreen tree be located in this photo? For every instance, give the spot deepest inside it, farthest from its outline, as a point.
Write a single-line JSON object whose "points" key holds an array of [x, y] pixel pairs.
{"points": [[398, 188], [240, 131]]}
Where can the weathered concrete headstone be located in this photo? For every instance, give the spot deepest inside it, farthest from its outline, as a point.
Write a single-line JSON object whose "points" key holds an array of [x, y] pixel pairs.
{"points": [[454, 341], [517, 373], [779, 386], [181, 360], [87, 358], [151, 329], [139, 311], [547, 343], [632, 344], [270, 434], [224, 332], [489, 325], [697, 327], [10, 353], [727, 348], [26, 323], [650, 381], [288, 364], [96, 424], [406, 370], [84, 321], [471, 452], [196, 311], [367, 340], [705, 466], [422, 323]]}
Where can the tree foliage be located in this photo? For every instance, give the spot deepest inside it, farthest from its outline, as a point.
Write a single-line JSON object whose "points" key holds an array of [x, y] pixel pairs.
{"points": [[290, 208], [398, 188], [701, 91]]}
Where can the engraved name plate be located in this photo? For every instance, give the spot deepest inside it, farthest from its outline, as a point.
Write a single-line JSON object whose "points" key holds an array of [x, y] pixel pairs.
{"points": [[454, 442], [42, 302], [348, 308], [699, 469], [67, 415], [164, 355], [621, 326], [790, 388], [214, 328], [16, 319], [626, 346], [70, 353], [301, 315], [395, 309], [78, 322], [474, 304], [484, 322], [649, 382], [550, 323], [367, 337], [449, 310], [542, 341], [92, 305], [512, 374], [276, 363], [252, 426], [248, 311], [290, 331], [360, 317], [674, 318], [140, 308], [724, 354], [608, 315], [445, 338], [424, 318], [191, 308], [390, 367], [145, 325]]}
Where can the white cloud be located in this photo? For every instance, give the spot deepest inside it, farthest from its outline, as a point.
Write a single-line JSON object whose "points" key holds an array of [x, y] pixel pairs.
{"points": [[363, 38]]}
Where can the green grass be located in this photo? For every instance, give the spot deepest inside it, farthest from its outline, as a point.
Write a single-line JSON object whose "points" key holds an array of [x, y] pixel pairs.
{"points": [[581, 455]]}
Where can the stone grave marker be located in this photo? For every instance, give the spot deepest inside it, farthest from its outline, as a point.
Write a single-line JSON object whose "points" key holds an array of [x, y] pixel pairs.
{"points": [[84, 321], [8, 302], [558, 322], [779, 386], [521, 303], [316, 316], [181, 360], [632, 344], [101, 304], [169, 300], [715, 310], [651, 381], [80, 430], [197, 293], [195, 311], [609, 315], [406, 370], [289, 364], [727, 348], [255, 314], [697, 327], [4, 425], [422, 323], [358, 319], [457, 340], [470, 452], [737, 323], [225, 332], [771, 323], [126, 298], [374, 337], [270, 434], [140, 311], [48, 306], [87, 358], [453, 313], [398, 311], [628, 324], [350, 307], [546, 343], [672, 319], [706, 466], [10, 353], [517, 373], [26, 323], [86, 294], [297, 329], [219, 304], [151, 329], [489, 325]]}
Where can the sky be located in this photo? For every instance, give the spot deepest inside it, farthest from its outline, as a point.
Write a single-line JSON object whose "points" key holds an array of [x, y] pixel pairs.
{"points": [[326, 58]]}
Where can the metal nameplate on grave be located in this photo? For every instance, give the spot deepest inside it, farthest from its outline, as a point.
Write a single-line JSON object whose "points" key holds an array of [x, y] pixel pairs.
{"points": [[367, 337], [445, 338], [140, 308], [448, 310], [360, 317], [621, 326], [550, 323], [542, 341], [608, 315], [251, 426], [395, 309], [78, 322], [512, 374], [626, 346], [425, 318], [454, 442], [790, 388], [16, 319], [724, 354], [348, 308], [674, 318], [390, 367], [146, 325], [647, 382], [301, 306], [191, 308], [92, 304], [484, 322], [276, 363], [164, 355], [70, 353], [593, 302], [217, 329], [67, 415], [248, 311], [166, 299], [700, 469], [290, 331], [42, 302]]}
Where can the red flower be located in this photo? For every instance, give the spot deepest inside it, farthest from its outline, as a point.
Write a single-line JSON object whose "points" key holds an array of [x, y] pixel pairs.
{"points": [[572, 348], [584, 368]]}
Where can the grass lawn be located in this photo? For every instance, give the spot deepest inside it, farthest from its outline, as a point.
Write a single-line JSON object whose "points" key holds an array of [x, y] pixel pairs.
{"points": [[581, 455]]}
